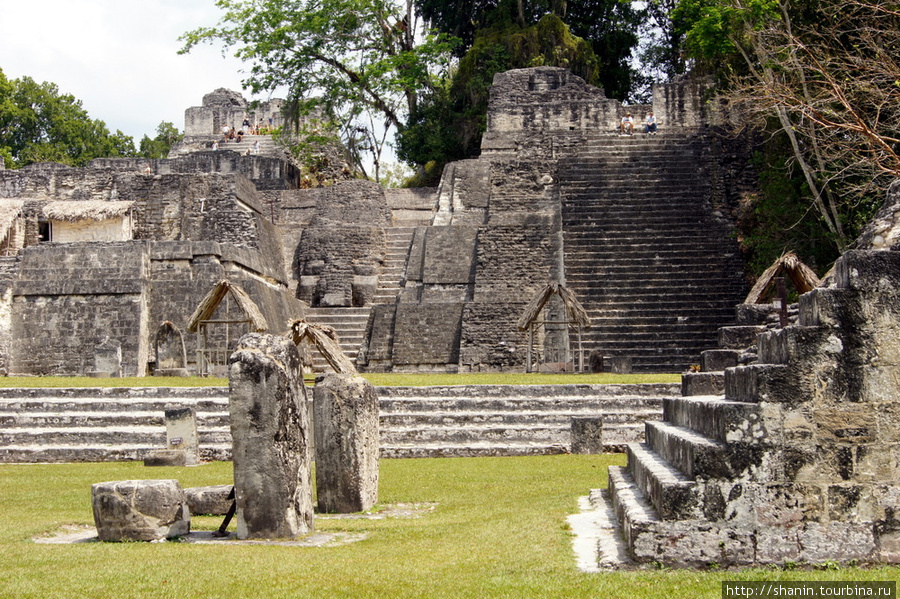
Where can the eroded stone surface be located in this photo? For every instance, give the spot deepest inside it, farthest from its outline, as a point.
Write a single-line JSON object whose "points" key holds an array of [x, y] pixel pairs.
{"points": [[140, 510], [270, 436], [347, 439]]}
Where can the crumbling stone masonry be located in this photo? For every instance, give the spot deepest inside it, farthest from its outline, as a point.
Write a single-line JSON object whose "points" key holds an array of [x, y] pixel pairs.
{"points": [[799, 461], [271, 445], [347, 441]]}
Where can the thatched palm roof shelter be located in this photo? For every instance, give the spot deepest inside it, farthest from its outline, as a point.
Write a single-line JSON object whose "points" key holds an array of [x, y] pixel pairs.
{"points": [[802, 277], [574, 310], [576, 316], [326, 341], [10, 211], [210, 356], [74, 211], [208, 305]]}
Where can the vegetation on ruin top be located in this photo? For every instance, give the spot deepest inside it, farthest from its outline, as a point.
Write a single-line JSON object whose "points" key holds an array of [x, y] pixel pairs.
{"points": [[378, 379], [496, 527]]}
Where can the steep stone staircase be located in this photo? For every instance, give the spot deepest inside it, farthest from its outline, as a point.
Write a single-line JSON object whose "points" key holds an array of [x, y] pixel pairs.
{"points": [[396, 254], [645, 253], [93, 424], [266, 145], [348, 323]]}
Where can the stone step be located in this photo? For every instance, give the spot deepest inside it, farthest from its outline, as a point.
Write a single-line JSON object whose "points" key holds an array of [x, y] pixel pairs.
{"points": [[491, 393], [58, 424], [634, 512], [716, 418], [95, 418], [470, 450], [672, 494], [120, 452], [153, 436], [702, 383], [494, 418], [695, 455], [536, 433], [754, 383]]}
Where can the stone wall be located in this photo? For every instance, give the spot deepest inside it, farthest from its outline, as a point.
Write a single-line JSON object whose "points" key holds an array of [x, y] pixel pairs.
{"points": [[544, 110], [340, 252], [267, 173], [684, 104], [69, 299], [224, 107]]}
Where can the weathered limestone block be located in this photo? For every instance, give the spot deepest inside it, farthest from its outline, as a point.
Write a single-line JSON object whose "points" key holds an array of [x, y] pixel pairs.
{"points": [[108, 359], [702, 383], [212, 500], [181, 433], [347, 438], [140, 510], [587, 435], [171, 357], [270, 436], [166, 457], [618, 364]]}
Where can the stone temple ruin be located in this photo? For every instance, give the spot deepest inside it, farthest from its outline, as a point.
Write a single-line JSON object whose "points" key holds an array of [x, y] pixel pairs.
{"points": [[413, 280], [791, 457], [797, 460]]}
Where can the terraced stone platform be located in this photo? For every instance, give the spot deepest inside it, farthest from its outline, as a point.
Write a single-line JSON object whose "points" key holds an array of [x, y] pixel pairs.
{"points": [[100, 424]]}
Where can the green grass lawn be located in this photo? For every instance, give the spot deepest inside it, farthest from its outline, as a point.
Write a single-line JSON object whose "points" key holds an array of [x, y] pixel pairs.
{"points": [[386, 379], [498, 530]]}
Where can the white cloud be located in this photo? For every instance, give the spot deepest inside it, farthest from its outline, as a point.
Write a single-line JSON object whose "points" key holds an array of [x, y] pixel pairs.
{"points": [[119, 57]]}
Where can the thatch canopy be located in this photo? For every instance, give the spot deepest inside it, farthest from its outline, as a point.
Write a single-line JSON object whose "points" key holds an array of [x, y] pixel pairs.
{"points": [[326, 341], [208, 305], [574, 310], [74, 211], [802, 276], [10, 210]]}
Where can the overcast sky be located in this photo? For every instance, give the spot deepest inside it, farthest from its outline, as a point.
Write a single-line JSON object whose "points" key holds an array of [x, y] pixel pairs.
{"points": [[119, 57]]}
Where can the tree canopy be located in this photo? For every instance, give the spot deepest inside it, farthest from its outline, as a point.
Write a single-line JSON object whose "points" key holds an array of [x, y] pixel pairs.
{"points": [[346, 57], [38, 123], [167, 135], [823, 75]]}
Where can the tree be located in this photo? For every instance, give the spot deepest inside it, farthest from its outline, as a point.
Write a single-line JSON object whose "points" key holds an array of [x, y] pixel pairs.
{"points": [[609, 26], [828, 74], [167, 135], [452, 118], [341, 56], [661, 51], [40, 124]]}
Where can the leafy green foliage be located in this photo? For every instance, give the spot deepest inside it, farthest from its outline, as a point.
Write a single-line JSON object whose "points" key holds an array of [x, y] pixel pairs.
{"points": [[779, 218], [40, 124], [167, 135], [452, 119], [344, 57]]}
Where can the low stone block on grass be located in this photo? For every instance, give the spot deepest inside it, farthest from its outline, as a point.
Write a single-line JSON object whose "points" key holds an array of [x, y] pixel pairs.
{"points": [[140, 510], [211, 501]]}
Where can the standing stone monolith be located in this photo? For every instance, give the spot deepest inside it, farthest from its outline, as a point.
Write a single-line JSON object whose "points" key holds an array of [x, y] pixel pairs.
{"points": [[270, 439], [346, 429], [181, 433], [171, 357]]}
